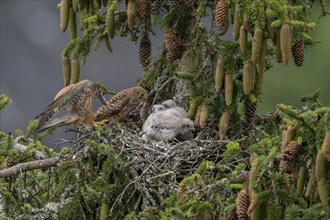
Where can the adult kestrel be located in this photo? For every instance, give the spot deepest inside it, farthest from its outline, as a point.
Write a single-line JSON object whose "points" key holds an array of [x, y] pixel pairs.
{"points": [[77, 100], [120, 105]]}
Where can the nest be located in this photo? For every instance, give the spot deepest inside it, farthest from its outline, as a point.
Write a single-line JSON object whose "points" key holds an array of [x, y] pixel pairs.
{"points": [[155, 168]]}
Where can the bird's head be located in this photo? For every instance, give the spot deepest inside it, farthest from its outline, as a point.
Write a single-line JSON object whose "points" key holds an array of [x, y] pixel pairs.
{"points": [[142, 93], [169, 104], [99, 90], [157, 108]]}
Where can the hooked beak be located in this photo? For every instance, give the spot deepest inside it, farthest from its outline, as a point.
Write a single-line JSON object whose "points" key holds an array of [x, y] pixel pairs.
{"points": [[100, 95]]}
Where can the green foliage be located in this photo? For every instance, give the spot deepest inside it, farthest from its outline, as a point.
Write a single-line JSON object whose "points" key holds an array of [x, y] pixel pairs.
{"points": [[4, 101]]}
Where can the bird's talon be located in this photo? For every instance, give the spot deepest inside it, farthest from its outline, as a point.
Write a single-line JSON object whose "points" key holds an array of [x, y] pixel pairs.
{"points": [[103, 122]]}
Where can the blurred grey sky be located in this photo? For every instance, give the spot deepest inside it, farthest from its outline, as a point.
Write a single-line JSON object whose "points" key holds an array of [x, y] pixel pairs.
{"points": [[31, 71]]}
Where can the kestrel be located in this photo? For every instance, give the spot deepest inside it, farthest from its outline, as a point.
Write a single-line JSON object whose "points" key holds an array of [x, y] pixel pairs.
{"points": [[75, 99], [120, 105]]}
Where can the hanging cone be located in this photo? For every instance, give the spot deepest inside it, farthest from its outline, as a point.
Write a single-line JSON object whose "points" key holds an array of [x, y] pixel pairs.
{"points": [[248, 76], [236, 22], [198, 115], [288, 156], [110, 23], [172, 44], [257, 44], [229, 89], [285, 36], [64, 14], [145, 52], [219, 74], [298, 52], [144, 10], [75, 70], [243, 203], [72, 24], [154, 6], [243, 39], [250, 114], [221, 16], [224, 124], [190, 3], [66, 67], [204, 115], [131, 14]]}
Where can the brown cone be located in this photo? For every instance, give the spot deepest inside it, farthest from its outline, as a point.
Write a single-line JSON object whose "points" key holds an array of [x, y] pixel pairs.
{"points": [[288, 155], [144, 10], [131, 14], [145, 52], [154, 6], [190, 3], [222, 16], [172, 44], [232, 215], [243, 203], [298, 52]]}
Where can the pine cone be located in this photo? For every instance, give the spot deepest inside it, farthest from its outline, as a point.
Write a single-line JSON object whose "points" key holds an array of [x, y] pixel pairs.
{"points": [[248, 77], [154, 6], [145, 52], [9, 163], [243, 39], [198, 115], [298, 52], [236, 22], [242, 204], [72, 24], [229, 89], [66, 69], [285, 36], [190, 3], [288, 155], [64, 14], [144, 10], [204, 115], [219, 74], [75, 70], [193, 109], [179, 193], [75, 6], [278, 51], [250, 114], [172, 3], [232, 215], [222, 16], [131, 14], [110, 23], [257, 44], [172, 44], [224, 124]]}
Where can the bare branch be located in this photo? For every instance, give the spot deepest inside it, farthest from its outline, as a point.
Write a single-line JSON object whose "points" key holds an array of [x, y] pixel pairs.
{"points": [[32, 165]]}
